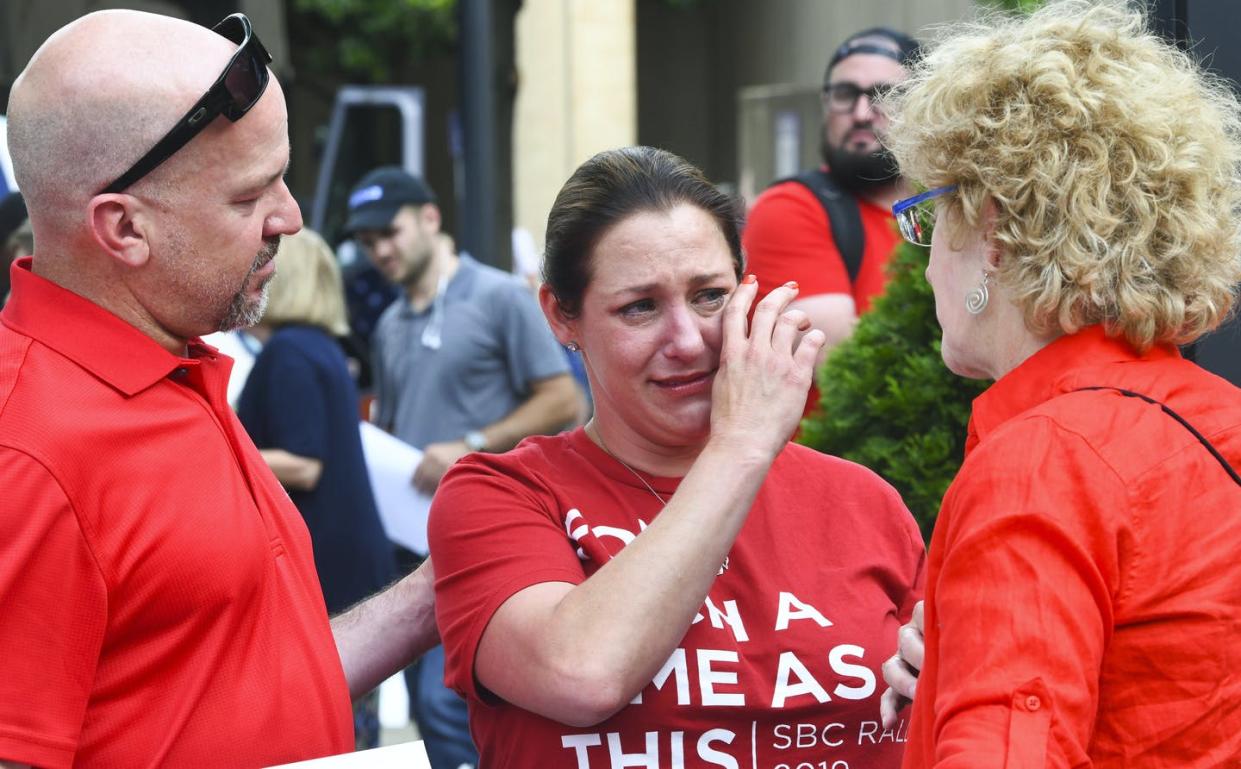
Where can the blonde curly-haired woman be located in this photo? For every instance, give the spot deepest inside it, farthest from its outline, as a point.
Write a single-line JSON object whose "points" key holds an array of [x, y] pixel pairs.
{"points": [[1084, 594]]}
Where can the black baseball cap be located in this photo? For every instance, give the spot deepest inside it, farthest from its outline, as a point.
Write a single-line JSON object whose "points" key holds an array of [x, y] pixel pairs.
{"points": [[381, 193], [900, 47]]}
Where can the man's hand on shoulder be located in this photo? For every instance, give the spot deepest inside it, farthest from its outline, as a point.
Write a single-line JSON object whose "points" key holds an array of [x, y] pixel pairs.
{"points": [[436, 459], [387, 631]]}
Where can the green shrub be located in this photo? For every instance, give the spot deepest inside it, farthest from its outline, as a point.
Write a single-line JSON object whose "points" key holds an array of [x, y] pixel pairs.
{"points": [[888, 402]]}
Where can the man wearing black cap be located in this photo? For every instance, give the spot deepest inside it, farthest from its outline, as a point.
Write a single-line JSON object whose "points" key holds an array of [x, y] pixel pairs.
{"points": [[831, 228], [463, 361]]}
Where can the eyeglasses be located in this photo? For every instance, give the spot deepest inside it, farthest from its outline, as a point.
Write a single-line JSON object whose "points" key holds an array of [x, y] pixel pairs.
{"points": [[232, 95], [916, 216], [842, 97]]}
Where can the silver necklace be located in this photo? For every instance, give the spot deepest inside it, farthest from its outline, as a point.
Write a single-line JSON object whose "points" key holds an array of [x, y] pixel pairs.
{"points": [[606, 450], [635, 474]]}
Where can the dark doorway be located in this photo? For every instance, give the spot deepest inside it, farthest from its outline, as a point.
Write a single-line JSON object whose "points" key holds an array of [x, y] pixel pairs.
{"points": [[1208, 29]]}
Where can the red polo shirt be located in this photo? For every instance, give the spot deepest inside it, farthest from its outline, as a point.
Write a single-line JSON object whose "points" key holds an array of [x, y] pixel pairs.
{"points": [[1084, 595], [787, 237], [159, 600]]}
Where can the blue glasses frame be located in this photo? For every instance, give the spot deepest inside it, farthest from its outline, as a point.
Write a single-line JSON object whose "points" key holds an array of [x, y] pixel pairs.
{"points": [[914, 218]]}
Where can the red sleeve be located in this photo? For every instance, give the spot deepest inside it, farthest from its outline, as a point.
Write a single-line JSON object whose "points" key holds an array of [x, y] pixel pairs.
{"points": [[492, 533], [787, 238], [1023, 600], [54, 603], [917, 586]]}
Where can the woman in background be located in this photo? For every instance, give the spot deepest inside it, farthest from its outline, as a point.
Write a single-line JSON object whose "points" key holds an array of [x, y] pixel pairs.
{"points": [[301, 409]]}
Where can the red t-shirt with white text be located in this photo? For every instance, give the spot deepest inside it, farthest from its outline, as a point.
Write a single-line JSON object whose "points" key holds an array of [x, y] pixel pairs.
{"points": [[779, 669]]}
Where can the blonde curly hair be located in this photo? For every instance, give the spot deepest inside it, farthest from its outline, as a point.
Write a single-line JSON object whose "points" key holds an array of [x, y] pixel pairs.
{"points": [[1111, 157]]}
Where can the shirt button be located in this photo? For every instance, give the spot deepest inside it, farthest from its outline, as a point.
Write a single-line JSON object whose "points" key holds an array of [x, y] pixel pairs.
{"points": [[1033, 703], [180, 373]]}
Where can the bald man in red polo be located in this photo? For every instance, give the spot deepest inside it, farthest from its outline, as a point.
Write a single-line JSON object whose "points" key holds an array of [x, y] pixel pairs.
{"points": [[160, 601]]}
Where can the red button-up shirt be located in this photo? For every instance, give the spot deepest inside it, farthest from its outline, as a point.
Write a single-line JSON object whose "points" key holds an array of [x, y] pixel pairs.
{"points": [[1084, 597], [158, 598]]}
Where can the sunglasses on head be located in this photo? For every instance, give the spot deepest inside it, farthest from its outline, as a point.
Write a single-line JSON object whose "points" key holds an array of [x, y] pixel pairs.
{"points": [[234, 92]]}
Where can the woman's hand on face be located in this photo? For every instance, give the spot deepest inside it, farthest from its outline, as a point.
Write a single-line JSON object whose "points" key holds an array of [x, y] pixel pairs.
{"points": [[765, 370]]}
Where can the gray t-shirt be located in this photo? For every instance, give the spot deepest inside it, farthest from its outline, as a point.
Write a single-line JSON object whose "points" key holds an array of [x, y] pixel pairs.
{"points": [[493, 343]]}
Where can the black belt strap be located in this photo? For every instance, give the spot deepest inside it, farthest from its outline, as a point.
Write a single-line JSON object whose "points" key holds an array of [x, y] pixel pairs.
{"points": [[1184, 423]]}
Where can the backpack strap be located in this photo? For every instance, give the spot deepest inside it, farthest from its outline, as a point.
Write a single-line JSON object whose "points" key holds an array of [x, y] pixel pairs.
{"points": [[843, 216], [1184, 423]]}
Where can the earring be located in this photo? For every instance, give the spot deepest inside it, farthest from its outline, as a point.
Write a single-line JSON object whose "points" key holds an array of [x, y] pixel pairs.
{"points": [[976, 300], [573, 347]]}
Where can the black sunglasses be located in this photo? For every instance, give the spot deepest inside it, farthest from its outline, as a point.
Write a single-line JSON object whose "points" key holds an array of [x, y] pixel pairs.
{"points": [[232, 95]]}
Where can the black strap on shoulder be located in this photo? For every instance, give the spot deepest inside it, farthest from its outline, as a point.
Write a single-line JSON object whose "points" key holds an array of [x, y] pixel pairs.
{"points": [[843, 216], [1184, 423]]}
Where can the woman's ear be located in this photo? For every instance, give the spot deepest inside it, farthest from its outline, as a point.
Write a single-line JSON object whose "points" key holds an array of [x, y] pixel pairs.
{"points": [[993, 254], [563, 327], [118, 226]]}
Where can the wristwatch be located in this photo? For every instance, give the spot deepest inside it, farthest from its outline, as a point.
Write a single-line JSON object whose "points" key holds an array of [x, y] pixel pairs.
{"points": [[475, 440]]}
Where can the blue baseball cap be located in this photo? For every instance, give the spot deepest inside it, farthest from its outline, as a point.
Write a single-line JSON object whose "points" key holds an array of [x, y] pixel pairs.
{"points": [[381, 193]]}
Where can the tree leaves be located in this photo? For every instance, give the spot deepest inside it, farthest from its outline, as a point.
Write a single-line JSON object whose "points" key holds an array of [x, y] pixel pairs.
{"points": [[888, 402], [370, 40]]}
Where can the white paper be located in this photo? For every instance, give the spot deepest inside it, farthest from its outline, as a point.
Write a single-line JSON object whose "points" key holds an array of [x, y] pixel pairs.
{"points": [[394, 703], [390, 463], [407, 755]]}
